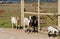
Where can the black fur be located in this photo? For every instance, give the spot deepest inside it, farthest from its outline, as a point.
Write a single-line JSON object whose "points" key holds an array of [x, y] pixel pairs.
{"points": [[34, 23], [52, 35]]}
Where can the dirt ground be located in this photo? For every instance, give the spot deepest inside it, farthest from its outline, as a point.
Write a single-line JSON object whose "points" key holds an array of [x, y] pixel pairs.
{"points": [[8, 33]]}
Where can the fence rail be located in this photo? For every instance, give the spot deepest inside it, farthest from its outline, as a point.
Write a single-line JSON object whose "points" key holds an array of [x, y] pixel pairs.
{"points": [[39, 13], [9, 4]]}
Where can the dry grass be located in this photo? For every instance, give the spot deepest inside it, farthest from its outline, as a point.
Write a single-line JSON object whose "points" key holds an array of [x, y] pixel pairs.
{"points": [[45, 7], [15, 10]]}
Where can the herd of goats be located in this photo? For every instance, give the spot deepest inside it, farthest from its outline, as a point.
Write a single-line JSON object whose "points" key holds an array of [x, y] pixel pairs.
{"points": [[31, 25]]}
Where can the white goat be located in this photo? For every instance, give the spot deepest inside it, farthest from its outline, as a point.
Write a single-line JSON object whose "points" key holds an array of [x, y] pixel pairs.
{"points": [[13, 21], [26, 23], [52, 29]]}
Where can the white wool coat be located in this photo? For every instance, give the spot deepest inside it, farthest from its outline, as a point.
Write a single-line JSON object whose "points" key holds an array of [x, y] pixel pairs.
{"points": [[13, 20]]}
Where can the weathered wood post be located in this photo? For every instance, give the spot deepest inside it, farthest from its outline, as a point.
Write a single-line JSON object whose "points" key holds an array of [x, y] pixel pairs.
{"points": [[59, 14], [22, 12], [38, 16]]}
